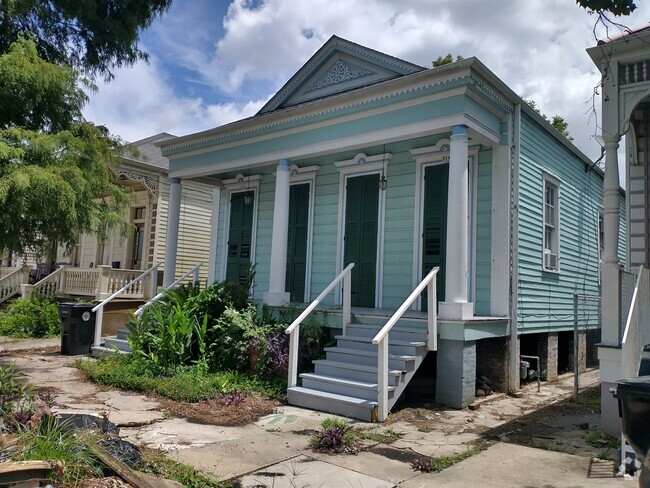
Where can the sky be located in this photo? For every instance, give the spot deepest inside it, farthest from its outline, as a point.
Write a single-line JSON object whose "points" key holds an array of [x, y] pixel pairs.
{"points": [[213, 61]]}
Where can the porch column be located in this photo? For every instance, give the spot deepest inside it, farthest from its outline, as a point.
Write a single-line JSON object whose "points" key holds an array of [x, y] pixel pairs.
{"points": [[214, 234], [455, 306], [609, 351], [171, 244], [277, 276]]}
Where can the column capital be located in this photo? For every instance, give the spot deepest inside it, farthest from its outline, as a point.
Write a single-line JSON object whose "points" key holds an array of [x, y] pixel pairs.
{"points": [[175, 180], [284, 163], [458, 133], [611, 141]]}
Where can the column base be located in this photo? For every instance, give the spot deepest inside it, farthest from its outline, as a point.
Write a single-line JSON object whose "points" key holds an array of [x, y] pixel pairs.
{"points": [[456, 310], [276, 299], [456, 378]]}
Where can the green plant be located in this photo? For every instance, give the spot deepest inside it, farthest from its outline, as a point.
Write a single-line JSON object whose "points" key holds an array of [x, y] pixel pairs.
{"points": [[336, 435], [34, 317], [155, 462], [599, 439], [443, 462]]}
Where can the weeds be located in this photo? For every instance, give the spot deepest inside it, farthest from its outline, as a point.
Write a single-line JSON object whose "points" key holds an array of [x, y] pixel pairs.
{"points": [[233, 398], [423, 465], [599, 439], [336, 435], [443, 462]]}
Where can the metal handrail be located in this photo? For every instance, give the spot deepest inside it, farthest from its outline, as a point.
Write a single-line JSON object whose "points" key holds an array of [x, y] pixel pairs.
{"points": [[294, 328], [100, 306], [195, 271], [381, 339]]}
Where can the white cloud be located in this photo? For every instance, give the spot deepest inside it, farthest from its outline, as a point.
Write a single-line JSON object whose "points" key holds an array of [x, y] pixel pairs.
{"points": [[140, 102]]}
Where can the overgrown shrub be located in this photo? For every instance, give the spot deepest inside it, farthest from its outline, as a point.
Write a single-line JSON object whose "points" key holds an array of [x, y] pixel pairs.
{"points": [[33, 317]]}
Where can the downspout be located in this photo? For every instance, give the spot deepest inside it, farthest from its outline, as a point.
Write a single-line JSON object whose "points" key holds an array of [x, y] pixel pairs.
{"points": [[514, 247]]}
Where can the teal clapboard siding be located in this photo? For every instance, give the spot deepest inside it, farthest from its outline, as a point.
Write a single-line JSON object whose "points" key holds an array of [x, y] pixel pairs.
{"points": [[545, 299], [483, 254]]}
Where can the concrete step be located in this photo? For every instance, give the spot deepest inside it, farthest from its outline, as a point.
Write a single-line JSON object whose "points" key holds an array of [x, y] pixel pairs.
{"points": [[394, 346], [122, 334], [121, 344], [99, 351], [398, 333], [341, 386], [400, 362], [357, 372], [345, 406]]}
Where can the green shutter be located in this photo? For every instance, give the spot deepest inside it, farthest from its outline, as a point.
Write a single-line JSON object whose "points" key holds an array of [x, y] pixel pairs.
{"points": [[360, 247], [434, 235], [240, 237], [297, 241]]}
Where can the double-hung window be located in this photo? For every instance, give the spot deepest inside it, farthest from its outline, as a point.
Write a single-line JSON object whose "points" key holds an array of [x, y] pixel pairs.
{"points": [[551, 224]]}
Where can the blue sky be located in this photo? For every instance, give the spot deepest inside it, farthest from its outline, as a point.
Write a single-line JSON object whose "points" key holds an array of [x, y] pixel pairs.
{"points": [[214, 61]]}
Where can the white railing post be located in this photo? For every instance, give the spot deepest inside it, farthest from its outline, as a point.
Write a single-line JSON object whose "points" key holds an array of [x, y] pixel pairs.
{"points": [[292, 377], [382, 379], [195, 275], [99, 319], [103, 282], [347, 301], [432, 315], [26, 291], [153, 289], [63, 281]]}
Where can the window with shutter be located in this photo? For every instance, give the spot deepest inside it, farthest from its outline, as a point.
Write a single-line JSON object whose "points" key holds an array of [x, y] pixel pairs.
{"points": [[361, 226], [239, 238], [297, 241], [434, 235]]}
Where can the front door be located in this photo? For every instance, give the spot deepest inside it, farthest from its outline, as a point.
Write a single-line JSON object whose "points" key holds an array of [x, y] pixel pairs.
{"points": [[360, 247], [240, 237], [434, 235], [297, 241]]}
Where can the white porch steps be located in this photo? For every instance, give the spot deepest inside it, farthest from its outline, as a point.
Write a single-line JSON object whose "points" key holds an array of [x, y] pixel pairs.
{"points": [[113, 344], [346, 382]]}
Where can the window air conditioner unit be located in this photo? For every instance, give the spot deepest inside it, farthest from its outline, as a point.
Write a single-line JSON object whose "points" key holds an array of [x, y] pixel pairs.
{"points": [[550, 260]]}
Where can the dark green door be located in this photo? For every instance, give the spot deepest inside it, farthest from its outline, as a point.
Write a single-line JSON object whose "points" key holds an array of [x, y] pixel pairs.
{"points": [[361, 216], [434, 232], [297, 241], [240, 237]]}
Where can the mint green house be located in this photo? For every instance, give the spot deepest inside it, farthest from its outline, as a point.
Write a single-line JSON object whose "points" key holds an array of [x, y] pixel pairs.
{"points": [[366, 159]]}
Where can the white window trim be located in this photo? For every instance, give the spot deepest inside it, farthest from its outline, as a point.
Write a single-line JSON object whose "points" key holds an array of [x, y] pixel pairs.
{"points": [[299, 176], [432, 156], [362, 165], [548, 178], [239, 184]]}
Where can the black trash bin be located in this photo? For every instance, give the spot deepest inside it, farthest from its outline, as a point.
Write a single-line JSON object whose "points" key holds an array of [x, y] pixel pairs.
{"points": [[633, 396], [77, 328]]}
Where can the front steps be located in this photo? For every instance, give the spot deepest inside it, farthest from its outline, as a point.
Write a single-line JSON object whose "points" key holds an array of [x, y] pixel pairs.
{"points": [[114, 344], [346, 382]]}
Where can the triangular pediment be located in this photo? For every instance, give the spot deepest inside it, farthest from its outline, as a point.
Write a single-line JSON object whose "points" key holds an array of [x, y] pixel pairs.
{"points": [[339, 66]]}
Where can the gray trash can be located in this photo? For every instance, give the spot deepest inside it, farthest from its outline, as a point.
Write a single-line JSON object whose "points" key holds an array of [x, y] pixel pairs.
{"points": [[77, 328]]}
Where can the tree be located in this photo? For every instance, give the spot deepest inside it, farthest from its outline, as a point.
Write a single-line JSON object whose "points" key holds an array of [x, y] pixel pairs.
{"points": [[56, 177], [91, 35], [616, 7], [446, 60], [558, 122]]}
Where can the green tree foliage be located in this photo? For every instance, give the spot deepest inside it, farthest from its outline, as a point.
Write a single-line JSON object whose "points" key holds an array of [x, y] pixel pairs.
{"points": [[90, 35], [441, 61], [616, 7], [558, 122], [55, 168]]}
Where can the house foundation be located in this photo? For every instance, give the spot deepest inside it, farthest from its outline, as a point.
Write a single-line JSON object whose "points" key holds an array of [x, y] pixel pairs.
{"points": [[456, 383], [492, 364]]}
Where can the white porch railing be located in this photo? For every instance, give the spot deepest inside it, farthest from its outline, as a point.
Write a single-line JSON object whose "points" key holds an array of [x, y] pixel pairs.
{"points": [[7, 270], [137, 284], [80, 281], [10, 283], [195, 279], [49, 286], [294, 329], [637, 326], [381, 339]]}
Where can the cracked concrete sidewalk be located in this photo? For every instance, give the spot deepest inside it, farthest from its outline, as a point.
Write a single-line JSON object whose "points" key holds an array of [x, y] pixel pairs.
{"points": [[274, 450]]}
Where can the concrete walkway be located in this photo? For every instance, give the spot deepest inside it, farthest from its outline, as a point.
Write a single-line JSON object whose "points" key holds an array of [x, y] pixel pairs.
{"points": [[274, 450]]}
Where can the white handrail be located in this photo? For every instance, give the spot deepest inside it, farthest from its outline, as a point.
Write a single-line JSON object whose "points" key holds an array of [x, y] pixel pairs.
{"points": [[195, 271], [637, 332], [100, 306], [294, 328], [381, 339], [11, 283]]}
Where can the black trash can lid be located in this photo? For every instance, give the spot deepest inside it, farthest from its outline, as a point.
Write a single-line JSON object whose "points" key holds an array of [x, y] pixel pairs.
{"points": [[634, 387]]}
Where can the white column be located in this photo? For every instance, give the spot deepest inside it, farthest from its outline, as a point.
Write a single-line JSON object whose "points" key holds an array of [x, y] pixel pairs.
{"points": [[277, 276], [214, 234], [173, 218], [455, 305], [610, 283]]}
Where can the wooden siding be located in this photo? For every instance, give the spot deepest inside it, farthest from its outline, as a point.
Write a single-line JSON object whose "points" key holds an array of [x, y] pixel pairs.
{"points": [[545, 299], [483, 232]]}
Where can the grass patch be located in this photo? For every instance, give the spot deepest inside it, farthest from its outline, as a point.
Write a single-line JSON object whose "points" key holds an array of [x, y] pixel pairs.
{"points": [[590, 398], [443, 462], [387, 436], [599, 439], [156, 463], [191, 384]]}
